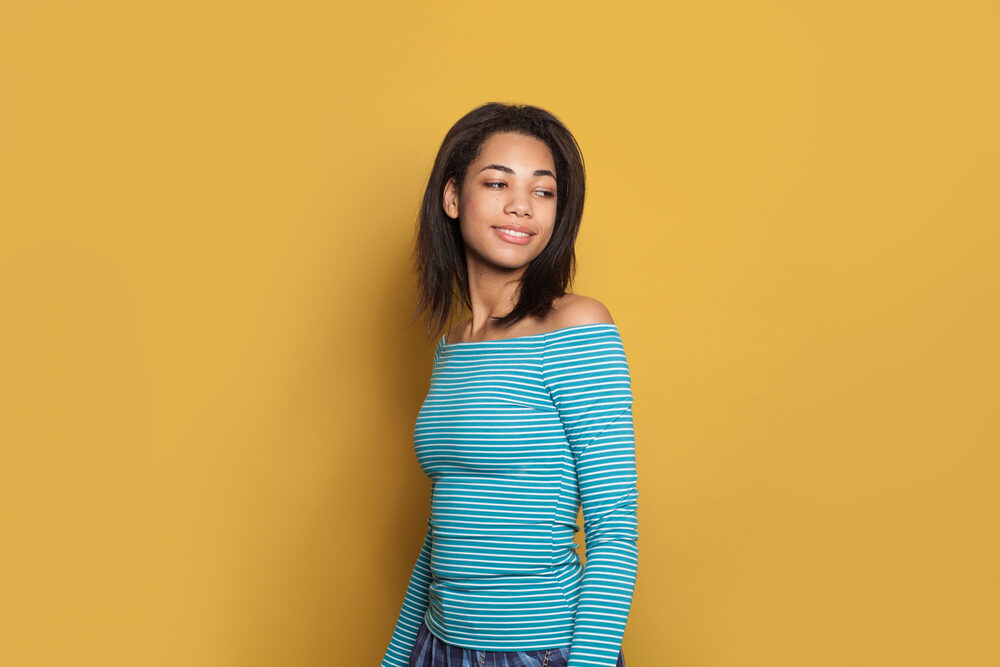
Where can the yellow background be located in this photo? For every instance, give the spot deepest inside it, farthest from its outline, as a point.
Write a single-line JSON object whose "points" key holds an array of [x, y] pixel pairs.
{"points": [[208, 384]]}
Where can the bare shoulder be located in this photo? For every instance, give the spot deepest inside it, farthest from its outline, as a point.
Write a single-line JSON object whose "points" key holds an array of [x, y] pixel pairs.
{"points": [[568, 310], [575, 310]]}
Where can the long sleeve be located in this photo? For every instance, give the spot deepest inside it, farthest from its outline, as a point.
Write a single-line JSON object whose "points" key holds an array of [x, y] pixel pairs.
{"points": [[587, 375], [412, 612]]}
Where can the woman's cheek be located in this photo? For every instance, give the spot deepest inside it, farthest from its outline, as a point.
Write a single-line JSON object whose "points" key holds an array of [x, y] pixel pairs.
{"points": [[476, 210]]}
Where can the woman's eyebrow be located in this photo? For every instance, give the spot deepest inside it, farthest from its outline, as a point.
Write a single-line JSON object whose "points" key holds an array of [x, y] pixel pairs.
{"points": [[500, 167]]}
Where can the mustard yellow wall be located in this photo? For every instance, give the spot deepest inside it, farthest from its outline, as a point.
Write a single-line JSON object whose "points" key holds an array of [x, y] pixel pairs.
{"points": [[208, 385]]}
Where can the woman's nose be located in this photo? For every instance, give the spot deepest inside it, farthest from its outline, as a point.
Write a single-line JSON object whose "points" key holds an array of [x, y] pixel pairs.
{"points": [[518, 204]]}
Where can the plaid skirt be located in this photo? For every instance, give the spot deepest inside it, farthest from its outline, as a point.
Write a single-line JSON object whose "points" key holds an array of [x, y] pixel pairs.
{"points": [[429, 651]]}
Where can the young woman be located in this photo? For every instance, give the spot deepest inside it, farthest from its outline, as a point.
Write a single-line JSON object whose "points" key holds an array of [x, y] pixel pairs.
{"points": [[528, 416]]}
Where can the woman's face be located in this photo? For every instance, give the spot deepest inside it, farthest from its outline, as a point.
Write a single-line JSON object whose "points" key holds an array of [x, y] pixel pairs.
{"points": [[509, 188]]}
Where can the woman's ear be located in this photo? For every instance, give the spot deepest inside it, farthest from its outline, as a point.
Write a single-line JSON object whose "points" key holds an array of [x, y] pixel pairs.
{"points": [[450, 199]]}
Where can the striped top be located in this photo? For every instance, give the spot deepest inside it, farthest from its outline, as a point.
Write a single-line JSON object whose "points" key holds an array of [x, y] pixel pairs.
{"points": [[515, 435]]}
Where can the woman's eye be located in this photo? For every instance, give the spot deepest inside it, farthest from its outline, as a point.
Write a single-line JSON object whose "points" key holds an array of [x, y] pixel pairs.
{"points": [[497, 185]]}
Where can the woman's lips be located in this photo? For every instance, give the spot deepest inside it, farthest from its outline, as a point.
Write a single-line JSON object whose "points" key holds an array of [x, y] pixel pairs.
{"points": [[511, 238]]}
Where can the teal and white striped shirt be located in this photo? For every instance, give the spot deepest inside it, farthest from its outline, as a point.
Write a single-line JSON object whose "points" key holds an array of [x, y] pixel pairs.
{"points": [[515, 435]]}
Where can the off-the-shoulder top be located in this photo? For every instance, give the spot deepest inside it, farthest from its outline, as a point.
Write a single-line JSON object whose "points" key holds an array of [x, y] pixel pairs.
{"points": [[516, 435]]}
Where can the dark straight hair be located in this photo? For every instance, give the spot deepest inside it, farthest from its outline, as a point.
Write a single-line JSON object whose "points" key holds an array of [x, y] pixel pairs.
{"points": [[439, 252]]}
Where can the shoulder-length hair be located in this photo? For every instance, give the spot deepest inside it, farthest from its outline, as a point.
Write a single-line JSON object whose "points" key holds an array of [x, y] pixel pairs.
{"points": [[439, 252]]}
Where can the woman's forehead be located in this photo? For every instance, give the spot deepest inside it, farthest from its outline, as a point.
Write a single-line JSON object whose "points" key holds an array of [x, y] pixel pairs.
{"points": [[517, 151]]}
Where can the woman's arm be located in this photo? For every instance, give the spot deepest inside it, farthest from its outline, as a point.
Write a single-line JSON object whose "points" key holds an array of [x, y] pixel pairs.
{"points": [[587, 375], [412, 612]]}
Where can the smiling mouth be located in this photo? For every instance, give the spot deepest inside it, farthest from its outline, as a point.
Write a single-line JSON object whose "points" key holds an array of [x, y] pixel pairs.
{"points": [[515, 233], [513, 237]]}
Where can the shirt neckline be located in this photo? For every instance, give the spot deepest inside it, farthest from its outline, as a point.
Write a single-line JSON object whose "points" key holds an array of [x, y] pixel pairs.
{"points": [[447, 345]]}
